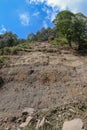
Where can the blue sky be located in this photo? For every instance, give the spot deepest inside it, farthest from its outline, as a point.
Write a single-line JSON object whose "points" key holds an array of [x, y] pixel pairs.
{"points": [[25, 16]]}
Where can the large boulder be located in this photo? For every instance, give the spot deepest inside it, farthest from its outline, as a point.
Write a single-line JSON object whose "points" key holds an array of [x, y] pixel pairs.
{"points": [[75, 124]]}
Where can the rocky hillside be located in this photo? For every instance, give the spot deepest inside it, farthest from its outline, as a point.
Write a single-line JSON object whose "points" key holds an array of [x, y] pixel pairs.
{"points": [[43, 77]]}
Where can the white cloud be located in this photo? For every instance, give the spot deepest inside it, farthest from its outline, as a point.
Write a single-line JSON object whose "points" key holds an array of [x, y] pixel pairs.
{"points": [[50, 13], [73, 5], [2, 29], [24, 18], [36, 13], [34, 1]]}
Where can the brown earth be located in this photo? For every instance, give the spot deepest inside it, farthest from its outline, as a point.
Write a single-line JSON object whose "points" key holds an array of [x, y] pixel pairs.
{"points": [[42, 77]]}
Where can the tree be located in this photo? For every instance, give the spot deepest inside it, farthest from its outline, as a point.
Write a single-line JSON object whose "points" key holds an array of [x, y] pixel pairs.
{"points": [[8, 39], [31, 37], [80, 29], [43, 34], [63, 23], [71, 26]]}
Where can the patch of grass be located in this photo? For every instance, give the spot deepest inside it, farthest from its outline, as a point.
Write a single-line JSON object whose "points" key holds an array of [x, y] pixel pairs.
{"points": [[3, 60], [9, 50], [14, 50], [6, 50], [24, 45], [60, 41], [51, 50]]}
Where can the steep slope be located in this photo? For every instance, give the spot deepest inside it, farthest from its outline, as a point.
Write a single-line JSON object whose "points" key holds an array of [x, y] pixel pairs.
{"points": [[42, 78]]}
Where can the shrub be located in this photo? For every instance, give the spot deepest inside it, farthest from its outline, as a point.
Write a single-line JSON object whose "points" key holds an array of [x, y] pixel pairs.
{"points": [[1, 51], [60, 41], [6, 50], [14, 50], [3, 61]]}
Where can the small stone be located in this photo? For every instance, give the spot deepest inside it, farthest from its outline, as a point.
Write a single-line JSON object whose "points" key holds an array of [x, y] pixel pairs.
{"points": [[71, 110], [25, 124], [75, 124], [40, 123]]}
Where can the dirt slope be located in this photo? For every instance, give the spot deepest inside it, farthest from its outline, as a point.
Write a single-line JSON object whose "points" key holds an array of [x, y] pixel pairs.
{"points": [[42, 78]]}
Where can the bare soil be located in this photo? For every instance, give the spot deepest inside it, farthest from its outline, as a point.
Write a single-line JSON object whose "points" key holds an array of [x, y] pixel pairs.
{"points": [[44, 77]]}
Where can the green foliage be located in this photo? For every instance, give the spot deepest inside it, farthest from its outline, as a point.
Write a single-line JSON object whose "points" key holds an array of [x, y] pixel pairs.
{"points": [[63, 22], [80, 29], [6, 50], [63, 15], [1, 51], [60, 41], [71, 26], [8, 39], [31, 37], [14, 50], [3, 60], [9, 50], [41, 35]]}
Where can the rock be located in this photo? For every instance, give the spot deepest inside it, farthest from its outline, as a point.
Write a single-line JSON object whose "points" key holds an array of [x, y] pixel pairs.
{"points": [[40, 123], [71, 110], [44, 110], [28, 111], [75, 124], [37, 125], [25, 124]]}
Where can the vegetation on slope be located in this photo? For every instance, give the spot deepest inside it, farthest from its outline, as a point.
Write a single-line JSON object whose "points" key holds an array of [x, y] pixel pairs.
{"points": [[69, 29]]}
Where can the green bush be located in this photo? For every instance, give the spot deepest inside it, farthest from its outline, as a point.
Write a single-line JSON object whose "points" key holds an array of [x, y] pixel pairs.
{"points": [[14, 50], [3, 60], [6, 50], [9, 50], [60, 41], [1, 51]]}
